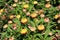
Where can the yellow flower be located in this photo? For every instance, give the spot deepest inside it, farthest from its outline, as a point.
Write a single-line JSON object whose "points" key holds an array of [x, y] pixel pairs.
{"points": [[56, 16], [18, 16], [33, 15], [11, 16], [25, 6], [24, 20], [41, 27], [23, 31], [1, 10], [35, 2]]}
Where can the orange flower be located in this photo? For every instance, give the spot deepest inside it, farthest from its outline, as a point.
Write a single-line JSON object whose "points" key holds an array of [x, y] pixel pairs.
{"points": [[24, 20], [23, 31], [11, 16], [41, 27], [33, 15], [48, 5]]}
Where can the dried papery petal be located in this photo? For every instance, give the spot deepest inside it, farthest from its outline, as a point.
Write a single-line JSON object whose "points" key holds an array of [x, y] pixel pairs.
{"points": [[24, 10], [27, 1], [14, 27], [33, 9], [3, 17], [15, 0], [50, 33], [11, 38], [28, 13], [59, 15], [46, 20], [43, 33], [58, 21], [54, 38], [6, 10], [10, 22], [58, 7], [36, 19], [35, 2], [20, 2], [32, 28], [41, 11], [14, 5], [11, 7], [0, 13], [47, 0], [57, 35], [5, 26], [5, 38], [37, 11], [42, 15]]}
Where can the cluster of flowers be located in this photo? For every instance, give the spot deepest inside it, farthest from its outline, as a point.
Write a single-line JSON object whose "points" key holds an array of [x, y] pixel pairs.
{"points": [[32, 19]]}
